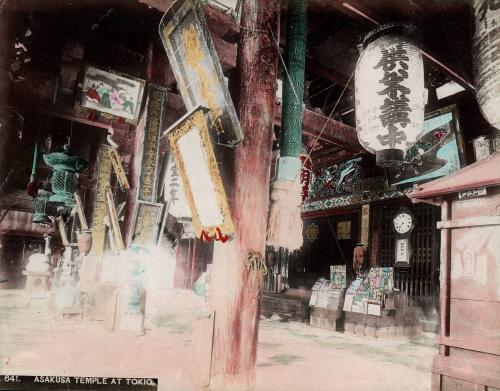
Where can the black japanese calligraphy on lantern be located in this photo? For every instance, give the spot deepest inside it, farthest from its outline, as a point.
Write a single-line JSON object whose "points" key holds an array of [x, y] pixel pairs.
{"points": [[395, 109], [484, 7]]}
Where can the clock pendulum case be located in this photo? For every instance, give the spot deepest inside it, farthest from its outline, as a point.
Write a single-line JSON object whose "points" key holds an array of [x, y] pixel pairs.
{"points": [[403, 224]]}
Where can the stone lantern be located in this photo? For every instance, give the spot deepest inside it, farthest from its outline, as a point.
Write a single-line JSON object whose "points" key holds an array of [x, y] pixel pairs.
{"points": [[38, 273]]}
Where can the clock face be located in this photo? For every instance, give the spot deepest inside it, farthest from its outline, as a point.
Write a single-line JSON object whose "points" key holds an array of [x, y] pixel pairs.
{"points": [[403, 223]]}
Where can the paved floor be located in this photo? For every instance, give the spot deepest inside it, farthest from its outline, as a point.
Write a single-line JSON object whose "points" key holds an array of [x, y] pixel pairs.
{"points": [[291, 356]]}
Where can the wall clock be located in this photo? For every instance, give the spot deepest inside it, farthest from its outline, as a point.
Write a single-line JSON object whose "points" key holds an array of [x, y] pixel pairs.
{"points": [[403, 222]]}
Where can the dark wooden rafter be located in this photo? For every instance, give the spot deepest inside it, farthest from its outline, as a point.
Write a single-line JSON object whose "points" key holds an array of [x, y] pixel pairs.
{"points": [[329, 156], [226, 53], [327, 73], [318, 125], [358, 11]]}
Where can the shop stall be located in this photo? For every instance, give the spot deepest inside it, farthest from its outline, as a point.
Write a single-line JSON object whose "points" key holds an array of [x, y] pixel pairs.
{"points": [[469, 340]]}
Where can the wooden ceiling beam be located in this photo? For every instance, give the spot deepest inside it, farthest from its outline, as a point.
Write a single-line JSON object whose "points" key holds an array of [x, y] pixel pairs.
{"points": [[334, 132], [327, 73], [327, 157], [226, 53], [327, 129]]}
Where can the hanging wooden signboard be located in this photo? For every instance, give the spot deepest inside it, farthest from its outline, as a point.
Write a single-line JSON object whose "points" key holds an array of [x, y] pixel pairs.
{"points": [[147, 222], [365, 224], [118, 168], [103, 185], [197, 69], [81, 215], [114, 223], [148, 180], [194, 156]]}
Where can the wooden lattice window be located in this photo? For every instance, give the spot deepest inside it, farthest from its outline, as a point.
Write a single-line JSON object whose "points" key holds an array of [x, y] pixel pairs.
{"points": [[421, 279]]}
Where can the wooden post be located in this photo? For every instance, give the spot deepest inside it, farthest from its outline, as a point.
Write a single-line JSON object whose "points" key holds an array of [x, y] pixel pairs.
{"points": [[444, 279], [236, 292]]}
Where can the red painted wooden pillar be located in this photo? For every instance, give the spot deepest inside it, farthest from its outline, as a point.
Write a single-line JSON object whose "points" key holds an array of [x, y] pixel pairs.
{"points": [[235, 294]]}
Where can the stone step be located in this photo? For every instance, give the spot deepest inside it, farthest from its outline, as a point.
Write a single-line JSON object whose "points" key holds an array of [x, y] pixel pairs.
{"points": [[287, 307]]}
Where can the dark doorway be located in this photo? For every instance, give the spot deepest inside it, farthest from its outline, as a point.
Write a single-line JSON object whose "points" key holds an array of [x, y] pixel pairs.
{"points": [[327, 241]]}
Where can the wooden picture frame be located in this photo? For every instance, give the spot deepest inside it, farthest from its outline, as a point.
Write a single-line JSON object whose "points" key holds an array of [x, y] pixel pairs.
{"points": [[112, 93], [194, 156], [196, 67]]}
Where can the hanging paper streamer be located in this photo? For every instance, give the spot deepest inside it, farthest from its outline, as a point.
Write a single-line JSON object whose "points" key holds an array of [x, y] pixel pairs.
{"points": [[305, 175]]}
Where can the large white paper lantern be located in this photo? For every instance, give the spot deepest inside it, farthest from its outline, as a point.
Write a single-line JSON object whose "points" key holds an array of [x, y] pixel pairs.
{"points": [[389, 92], [486, 58]]}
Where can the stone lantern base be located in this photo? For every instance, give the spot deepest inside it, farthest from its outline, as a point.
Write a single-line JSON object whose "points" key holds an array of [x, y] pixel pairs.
{"points": [[37, 284]]}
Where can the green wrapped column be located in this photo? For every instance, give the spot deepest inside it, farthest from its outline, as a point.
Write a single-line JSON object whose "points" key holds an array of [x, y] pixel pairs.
{"points": [[293, 90], [285, 223], [295, 62]]}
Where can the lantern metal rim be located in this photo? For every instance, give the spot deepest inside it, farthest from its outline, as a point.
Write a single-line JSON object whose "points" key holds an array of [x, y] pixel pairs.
{"points": [[390, 157], [402, 29]]}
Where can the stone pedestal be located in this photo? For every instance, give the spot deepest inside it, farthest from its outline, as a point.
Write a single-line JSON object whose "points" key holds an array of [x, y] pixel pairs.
{"points": [[399, 322], [327, 318], [330, 317], [129, 317], [37, 284]]}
